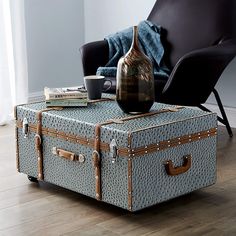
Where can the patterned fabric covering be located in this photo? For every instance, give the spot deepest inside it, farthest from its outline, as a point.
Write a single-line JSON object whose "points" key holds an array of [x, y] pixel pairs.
{"points": [[133, 181], [149, 42]]}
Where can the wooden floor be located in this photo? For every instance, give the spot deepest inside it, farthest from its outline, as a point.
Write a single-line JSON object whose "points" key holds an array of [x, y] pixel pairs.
{"points": [[44, 209]]}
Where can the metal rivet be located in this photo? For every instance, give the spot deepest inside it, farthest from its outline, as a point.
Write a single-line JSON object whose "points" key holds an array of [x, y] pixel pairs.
{"points": [[199, 133], [169, 145], [132, 150], [146, 151], [157, 144], [129, 176], [129, 159], [168, 141], [208, 131], [146, 147], [158, 149], [179, 138], [199, 137], [179, 142], [208, 135], [190, 140], [81, 158], [129, 193], [96, 177], [129, 156], [97, 195], [133, 155]]}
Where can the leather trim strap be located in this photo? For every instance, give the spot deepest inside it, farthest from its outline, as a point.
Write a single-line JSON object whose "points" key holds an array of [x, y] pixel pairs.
{"points": [[130, 184], [126, 151], [97, 162], [38, 140], [17, 150], [102, 100], [17, 142], [120, 121], [97, 144], [162, 145]]}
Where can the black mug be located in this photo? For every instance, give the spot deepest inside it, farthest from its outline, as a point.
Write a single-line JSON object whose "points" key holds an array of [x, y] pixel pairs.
{"points": [[94, 86]]}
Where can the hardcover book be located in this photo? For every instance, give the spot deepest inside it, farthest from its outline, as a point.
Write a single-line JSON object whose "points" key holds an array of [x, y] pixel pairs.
{"points": [[65, 93], [80, 102]]}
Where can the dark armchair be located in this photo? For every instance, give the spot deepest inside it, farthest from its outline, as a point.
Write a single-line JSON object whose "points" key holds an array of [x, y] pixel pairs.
{"points": [[199, 44]]}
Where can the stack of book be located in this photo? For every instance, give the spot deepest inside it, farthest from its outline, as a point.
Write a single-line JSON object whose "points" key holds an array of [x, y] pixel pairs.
{"points": [[66, 97]]}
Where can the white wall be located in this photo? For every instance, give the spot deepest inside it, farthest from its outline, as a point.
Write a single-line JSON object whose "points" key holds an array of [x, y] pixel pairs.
{"points": [[104, 17], [54, 33]]}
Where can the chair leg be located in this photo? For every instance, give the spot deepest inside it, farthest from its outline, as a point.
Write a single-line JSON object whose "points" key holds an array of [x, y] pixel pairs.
{"points": [[223, 120], [222, 110]]}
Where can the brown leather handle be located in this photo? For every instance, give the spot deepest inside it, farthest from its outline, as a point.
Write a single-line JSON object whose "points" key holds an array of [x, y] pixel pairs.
{"points": [[172, 171], [65, 154]]}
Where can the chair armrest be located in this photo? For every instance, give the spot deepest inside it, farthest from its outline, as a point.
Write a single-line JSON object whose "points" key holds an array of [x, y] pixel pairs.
{"points": [[196, 74], [93, 55]]}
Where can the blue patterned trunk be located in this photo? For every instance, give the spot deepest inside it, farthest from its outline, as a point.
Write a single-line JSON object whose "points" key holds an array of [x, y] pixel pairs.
{"points": [[133, 175]]}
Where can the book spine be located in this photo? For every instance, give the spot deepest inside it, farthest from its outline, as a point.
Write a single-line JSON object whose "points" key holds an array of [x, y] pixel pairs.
{"points": [[67, 103], [65, 96]]}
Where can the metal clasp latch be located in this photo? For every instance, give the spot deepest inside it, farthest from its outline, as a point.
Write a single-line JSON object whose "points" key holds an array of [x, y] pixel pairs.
{"points": [[25, 129], [113, 150]]}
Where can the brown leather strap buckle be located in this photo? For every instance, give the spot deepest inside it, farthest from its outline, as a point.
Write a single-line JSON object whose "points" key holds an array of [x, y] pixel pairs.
{"points": [[96, 158], [38, 140]]}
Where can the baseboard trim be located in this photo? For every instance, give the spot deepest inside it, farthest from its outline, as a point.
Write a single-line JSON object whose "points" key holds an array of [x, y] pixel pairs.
{"points": [[36, 96], [230, 112]]}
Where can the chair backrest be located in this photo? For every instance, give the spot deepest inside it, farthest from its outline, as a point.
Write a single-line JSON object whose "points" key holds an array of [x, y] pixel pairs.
{"points": [[192, 24]]}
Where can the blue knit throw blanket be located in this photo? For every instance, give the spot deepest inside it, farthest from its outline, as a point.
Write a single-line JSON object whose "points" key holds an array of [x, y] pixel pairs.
{"points": [[149, 42]]}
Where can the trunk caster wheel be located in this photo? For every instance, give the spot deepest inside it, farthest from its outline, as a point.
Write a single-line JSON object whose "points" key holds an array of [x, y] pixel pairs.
{"points": [[32, 179]]}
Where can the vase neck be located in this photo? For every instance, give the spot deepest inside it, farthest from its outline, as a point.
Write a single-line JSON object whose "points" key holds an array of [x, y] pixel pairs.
{"points": [[135, 38]]}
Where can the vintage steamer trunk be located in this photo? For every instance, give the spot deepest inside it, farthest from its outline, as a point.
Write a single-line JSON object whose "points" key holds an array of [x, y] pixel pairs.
{"points": [[131, 161]]}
